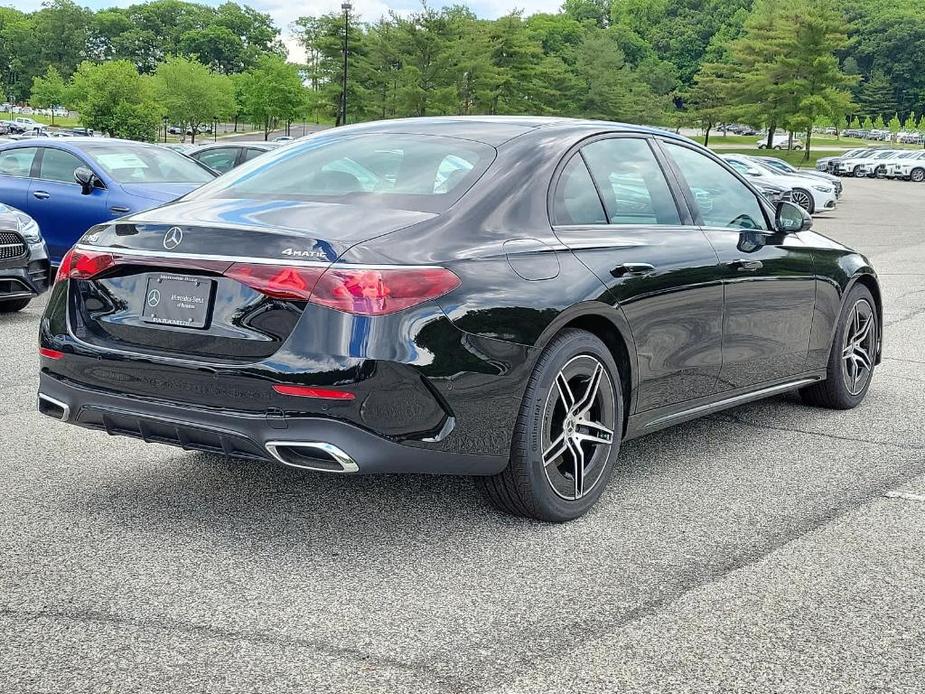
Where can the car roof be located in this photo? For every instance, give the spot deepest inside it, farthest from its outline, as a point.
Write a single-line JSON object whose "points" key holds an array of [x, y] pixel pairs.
{"points": [[78, 144], [236, 143], [493, 130]]}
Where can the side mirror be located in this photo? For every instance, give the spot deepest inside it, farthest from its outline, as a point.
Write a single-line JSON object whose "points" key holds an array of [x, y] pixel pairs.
{"points": [[790, 218], [753, 172], [86, 178]]}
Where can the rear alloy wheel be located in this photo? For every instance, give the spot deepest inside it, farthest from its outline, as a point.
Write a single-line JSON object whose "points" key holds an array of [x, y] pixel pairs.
{"points": [[13, 305], [567, 435], [857, 171], [853, 355], [917, 175], [804, 199]]}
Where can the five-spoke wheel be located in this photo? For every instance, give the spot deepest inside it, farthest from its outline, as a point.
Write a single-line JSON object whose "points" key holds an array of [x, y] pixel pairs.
{"points": [[568, 433], [578, 427], [853, 356]]}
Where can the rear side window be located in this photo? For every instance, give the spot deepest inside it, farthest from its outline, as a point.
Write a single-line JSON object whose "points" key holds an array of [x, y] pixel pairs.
{"points": [[58, 165], [576, 200], [17, 162], [417, 172], [631, 182]]}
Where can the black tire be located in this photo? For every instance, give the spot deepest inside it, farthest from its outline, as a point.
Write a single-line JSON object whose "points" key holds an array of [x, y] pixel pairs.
{"points": [[526, 486], [13, 305], [834, 392], [810, 205], [778, 147], [917, 175], [857, 171]]}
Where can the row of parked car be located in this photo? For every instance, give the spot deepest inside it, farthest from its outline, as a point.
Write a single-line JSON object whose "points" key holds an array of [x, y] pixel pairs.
{"points": [[814, 191], [905, 164]]}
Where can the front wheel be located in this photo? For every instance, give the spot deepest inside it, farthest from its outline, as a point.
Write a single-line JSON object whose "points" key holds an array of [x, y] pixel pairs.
{"points": [[778, 147], [804, 199], [853, 355], [567, 435], [13, 305], [917, 175]]}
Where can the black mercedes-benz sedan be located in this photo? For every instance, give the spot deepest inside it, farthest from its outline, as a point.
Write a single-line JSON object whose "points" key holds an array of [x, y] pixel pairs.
{"points": [[24, 267], [508, 298]]}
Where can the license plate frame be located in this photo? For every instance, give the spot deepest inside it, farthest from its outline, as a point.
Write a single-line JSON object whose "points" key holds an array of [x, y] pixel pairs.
{"points": [[178, 301]]}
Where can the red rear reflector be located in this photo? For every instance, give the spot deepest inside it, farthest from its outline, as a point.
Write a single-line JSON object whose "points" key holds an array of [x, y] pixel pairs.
{"points": [[79, 264], [381, 291], [312, 392], [50, 353]]}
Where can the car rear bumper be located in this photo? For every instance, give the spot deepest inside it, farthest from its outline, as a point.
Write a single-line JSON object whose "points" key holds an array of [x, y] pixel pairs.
{"points": [[315, 443]]}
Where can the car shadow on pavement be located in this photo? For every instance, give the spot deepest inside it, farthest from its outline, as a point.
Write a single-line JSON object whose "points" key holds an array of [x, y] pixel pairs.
{"points": [[283, 507]]}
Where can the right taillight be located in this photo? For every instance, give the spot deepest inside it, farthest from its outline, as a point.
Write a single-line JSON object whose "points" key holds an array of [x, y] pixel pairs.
{"points": [[380, 291]]}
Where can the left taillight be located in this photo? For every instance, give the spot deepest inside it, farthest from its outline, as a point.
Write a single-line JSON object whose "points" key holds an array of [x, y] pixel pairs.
{"points": [[81, 264]]}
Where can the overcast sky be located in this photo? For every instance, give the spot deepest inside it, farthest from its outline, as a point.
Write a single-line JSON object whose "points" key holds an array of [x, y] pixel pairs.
{"points": [[285, 11]]}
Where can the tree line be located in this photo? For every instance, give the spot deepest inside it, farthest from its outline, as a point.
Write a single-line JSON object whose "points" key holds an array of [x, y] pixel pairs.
{"points": [[780, 64]]}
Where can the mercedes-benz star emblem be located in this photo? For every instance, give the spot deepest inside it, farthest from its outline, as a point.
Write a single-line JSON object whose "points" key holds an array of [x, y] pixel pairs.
{"points": [[173, 238], [154, 298]]}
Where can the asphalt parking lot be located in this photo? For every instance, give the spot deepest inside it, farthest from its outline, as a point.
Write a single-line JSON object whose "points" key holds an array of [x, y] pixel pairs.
{"points": [[762, 549]]}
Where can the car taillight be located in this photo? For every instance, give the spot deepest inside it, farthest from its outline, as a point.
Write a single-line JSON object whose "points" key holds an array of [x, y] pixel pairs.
{"points": [[381, 291], [360, 291], [279, 282], [80, 264]]}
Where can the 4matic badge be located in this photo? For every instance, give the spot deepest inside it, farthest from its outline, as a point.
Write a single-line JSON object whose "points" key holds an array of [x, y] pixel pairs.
{"points": [[296, 253]]}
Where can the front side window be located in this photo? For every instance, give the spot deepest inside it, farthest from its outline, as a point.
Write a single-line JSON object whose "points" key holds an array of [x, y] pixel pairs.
{"points": [[58, 165], [221, 159], [723, 200], [631, 182], [17, 162]]}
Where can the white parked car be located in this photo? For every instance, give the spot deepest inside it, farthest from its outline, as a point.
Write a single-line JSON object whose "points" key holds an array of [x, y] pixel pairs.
{"points": [[811, 194], [780, 142], [785, 168], [911, 168]]}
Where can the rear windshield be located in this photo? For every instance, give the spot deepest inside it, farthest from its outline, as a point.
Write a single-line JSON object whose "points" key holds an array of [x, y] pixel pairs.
{"points": [[134, 164], [415, 172]]}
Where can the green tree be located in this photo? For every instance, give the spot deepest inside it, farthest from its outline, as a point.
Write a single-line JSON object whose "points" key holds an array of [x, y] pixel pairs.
{"points": [[879, 123], [868, 124], [808, 34], [271, 92], [191, 94], [894, 126], [48, 91], [710, 96], [875, 95], [113, 98]]}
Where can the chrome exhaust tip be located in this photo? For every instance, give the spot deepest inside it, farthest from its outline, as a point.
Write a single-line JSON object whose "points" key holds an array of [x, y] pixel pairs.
{"points": [[53, 408], [312, 455]]}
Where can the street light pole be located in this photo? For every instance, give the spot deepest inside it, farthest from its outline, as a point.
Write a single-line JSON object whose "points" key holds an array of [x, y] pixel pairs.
{"points": [[346, 7]]}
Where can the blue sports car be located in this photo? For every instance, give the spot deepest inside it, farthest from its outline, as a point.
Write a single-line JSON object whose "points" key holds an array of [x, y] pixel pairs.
{"points": [[69, 185]]}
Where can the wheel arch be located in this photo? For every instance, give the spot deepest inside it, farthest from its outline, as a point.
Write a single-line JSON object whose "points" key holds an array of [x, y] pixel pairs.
{"points": [[610, 326]]}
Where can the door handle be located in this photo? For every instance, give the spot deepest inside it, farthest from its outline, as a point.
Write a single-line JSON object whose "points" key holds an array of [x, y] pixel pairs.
{"points": [[745, 265], [119, 210], [632, 270], [41, 194]]}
